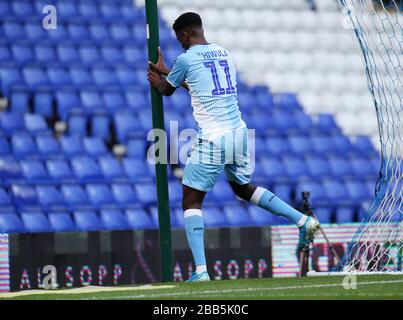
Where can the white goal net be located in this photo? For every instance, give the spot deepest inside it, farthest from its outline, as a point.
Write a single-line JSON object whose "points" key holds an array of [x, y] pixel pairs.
{"points": [[377, 25]]}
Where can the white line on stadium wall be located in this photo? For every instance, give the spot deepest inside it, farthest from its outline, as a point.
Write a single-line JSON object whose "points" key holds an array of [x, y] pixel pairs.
{"points": [[207, 292]]}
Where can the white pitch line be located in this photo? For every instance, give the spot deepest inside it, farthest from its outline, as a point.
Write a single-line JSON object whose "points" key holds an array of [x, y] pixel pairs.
{"points": [[209, 292]]}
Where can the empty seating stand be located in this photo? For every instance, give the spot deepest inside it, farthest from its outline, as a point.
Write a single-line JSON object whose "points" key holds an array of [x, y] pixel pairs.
{"points": [[91, 73]]}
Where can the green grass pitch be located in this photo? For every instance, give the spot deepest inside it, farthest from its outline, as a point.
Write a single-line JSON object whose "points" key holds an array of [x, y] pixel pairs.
{"points": [[368, 287]]}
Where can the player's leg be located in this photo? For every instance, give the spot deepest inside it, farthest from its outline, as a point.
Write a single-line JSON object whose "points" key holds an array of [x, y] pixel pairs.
{"points": [[194, 225], [265, 199], [199, 178], [239, 176]]}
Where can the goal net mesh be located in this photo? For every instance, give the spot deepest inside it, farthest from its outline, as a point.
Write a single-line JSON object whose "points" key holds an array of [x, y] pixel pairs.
{"points": [[377, 26]]}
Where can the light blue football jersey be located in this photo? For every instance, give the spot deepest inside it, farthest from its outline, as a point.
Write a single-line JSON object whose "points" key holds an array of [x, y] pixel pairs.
{"points": [[210, 74]]}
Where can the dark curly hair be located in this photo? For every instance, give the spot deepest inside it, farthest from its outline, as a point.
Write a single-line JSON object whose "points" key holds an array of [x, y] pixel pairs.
{"points": [[186, 20]]}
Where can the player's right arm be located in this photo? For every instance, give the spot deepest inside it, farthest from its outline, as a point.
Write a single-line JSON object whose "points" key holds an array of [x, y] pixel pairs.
{"points": [[162, 68]]}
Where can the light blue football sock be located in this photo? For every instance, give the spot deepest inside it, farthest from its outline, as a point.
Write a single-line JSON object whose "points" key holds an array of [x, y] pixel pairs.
{"points": [[267, 200], [194, 226]]}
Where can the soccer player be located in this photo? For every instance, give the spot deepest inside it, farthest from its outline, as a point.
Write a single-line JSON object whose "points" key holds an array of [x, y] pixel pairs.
{"points": [[208, 72]]}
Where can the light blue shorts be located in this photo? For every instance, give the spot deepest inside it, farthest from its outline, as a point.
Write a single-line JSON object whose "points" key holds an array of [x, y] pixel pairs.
{"points": [[209, 157]]}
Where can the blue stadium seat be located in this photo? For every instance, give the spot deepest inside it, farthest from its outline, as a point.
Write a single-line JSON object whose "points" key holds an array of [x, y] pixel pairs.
{"points": [[134, 54], [237, 216], [364, 145], [58, 76], [61, 222], [128, 79], [136, 169], [175, 192], [111, 54], [277, 146], [35, 77], [94, 146], [146, 192], [112, 169], [324, 214], [13, 30], [19, 101], [5, 54], [11, 223], [5, 200], [124, 194], [4, 146], [91, 100], [120, 32], [214, 217], [35, 124], [340, 167], [77, 125], [304, 123], [60, 170], [48, 146], [34, 31], [100, 195], [87, 220], [344, 215], [88, 10], [139, 219], [11, 122], [22, 54], [59, 34], [67, 53], [110, 11], [43, 104], [75, 196], [295, 167], [136, 148], [343, 144], [323, 145], [89, 54], [287, 101], [22, 8], [10, 77], [337, 192], [113, 101], [24, 196], [67, 10], [300, 145], [10, 169], [318, 167], [114, 219], [126, 125], [5, 9], [77, 31], [99, 30], [34, 171], [326, 123], [100, 126], [23, 145], [273, 169], [72, 145], [362, 167], [80, 76], [50, 197], [104, 77], [45, 54], [67, 101], [358, 191], [86, 169]]}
